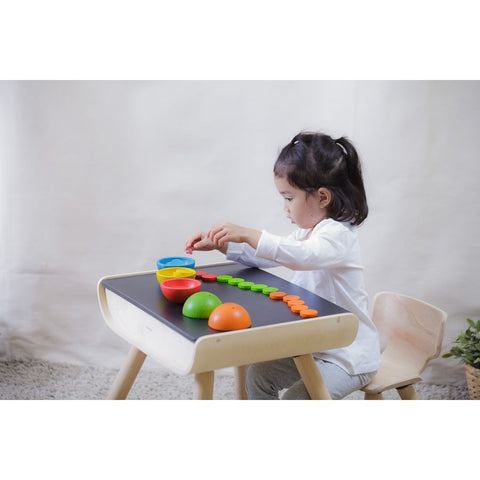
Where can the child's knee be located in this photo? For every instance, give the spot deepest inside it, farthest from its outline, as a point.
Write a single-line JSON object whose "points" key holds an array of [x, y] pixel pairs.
{"points": [[297, 391], [257, 382]]}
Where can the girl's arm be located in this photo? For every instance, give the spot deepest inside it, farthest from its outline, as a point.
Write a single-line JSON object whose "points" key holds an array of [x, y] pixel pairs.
{"points": [[246, 255], [323, 249], [223, 233], [242, 251]]}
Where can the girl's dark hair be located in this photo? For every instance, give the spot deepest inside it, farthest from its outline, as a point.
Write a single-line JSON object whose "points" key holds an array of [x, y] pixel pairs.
{"points": [[314, 160]]}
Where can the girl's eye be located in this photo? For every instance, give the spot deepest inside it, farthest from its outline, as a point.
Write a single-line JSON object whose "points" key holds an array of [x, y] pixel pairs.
{"points": [[288, 199]]}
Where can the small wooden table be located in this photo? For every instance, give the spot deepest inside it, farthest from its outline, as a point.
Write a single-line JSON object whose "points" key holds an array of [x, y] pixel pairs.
{"points": [[134, 308]]}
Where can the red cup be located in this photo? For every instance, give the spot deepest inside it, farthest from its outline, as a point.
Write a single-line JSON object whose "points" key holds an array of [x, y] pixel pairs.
{"points": [[179, 289]]}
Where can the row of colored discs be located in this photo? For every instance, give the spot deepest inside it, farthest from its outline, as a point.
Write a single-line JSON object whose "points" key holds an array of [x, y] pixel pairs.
{"points": [[237, 282], [295, 303]]}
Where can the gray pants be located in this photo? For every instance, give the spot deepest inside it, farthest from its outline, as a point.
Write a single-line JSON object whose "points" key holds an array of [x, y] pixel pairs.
{"points": [[265, 380]]}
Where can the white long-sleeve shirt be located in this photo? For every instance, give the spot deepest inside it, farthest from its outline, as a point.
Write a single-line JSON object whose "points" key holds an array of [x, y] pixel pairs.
{"points": [[329, 264]]}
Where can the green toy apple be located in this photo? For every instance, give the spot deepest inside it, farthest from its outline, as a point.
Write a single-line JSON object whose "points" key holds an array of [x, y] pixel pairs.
{"points": [[200, 305]]}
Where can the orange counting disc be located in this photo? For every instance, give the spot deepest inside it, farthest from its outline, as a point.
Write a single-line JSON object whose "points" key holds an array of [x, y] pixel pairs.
{"points": [[293, 302], [277, 295], [308, 313], [288, 298], [298, 307]]}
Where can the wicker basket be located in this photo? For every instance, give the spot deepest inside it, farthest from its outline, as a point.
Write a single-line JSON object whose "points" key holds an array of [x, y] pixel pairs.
{"points": [[473, 381]]}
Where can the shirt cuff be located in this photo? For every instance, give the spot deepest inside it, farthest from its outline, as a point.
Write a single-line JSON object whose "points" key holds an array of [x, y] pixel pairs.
{"points": [[267, 246], [234, 251]]}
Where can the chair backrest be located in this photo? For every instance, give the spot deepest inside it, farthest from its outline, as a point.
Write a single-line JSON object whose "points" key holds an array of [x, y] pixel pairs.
{"points": [[412, 329]]}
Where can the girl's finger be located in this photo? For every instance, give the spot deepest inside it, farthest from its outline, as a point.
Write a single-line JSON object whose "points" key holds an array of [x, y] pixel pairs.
{"points": [[213, 231], [219, 235], [193, 238], [225, 239], [203, 242], [190, 243]]}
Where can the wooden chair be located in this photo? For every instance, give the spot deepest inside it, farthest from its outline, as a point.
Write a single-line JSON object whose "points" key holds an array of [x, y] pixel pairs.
{"points": [[414, 332]]}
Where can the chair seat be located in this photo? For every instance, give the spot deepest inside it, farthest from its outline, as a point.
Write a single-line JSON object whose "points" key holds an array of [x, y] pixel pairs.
{"points": [[391, 376]]}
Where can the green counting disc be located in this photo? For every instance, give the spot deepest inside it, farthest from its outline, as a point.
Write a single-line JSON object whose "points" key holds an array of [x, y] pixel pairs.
{"points": [[269, 290], [258, 287], [223, 278], [245, 285], [235, 281]]}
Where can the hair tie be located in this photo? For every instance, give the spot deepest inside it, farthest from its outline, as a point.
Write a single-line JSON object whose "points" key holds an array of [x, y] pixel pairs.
{"points": [[343, 148]]}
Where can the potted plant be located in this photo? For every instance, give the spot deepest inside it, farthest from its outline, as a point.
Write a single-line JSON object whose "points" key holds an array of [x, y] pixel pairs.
{"points": [[467, 349]]}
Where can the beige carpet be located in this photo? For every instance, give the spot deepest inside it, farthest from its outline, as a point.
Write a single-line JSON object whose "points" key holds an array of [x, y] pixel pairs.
{"points": [[41, 380]]}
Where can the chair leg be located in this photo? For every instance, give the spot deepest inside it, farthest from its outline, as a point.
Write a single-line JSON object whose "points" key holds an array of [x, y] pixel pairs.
{"points": [[312, 378], [127, 374], [240, 375], [407, 393], [373, 396], [203, 386]]}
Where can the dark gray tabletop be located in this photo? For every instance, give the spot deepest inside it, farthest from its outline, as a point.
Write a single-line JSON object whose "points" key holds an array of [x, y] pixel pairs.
{"points": [[143, 291]]}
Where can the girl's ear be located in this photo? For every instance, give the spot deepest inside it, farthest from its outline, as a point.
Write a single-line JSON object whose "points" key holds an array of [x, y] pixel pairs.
{"points": [[324, 197]]}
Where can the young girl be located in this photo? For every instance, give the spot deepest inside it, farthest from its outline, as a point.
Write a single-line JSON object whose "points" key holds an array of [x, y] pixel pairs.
{"points": [[321, 182]]}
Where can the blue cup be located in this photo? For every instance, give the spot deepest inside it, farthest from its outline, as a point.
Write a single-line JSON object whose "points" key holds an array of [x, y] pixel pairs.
{"points": [[167, 262]]}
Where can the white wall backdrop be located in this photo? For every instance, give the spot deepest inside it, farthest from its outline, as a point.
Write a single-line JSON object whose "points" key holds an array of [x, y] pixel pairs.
{"points": [[104, 177]]}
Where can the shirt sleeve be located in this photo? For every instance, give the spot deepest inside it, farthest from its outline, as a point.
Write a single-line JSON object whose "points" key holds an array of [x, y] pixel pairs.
{"points": [[324, 249], [246, 255]]}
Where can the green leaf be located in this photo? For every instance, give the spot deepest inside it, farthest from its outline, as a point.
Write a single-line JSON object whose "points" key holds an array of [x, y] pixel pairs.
{"points": [[467, 345]]}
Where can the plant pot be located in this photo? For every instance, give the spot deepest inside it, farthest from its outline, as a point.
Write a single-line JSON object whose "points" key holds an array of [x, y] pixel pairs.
{"points": [[473, 381]]}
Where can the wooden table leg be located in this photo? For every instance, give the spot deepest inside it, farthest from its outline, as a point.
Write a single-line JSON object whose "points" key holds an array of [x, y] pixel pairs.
{"points": [[240, 376], [373, 396], [127, 374], [407, 393], [312, 378], [203, 386]]}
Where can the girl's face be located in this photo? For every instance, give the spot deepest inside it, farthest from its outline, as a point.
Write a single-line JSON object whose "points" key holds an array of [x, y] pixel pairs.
{"points": [[304, 210]]}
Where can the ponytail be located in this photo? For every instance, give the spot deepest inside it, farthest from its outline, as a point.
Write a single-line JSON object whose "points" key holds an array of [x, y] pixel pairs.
{"points": [[355, 177]]}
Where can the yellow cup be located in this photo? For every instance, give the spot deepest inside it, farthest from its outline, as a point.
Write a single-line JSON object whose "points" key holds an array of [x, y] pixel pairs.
{"points": [[175, 272]]}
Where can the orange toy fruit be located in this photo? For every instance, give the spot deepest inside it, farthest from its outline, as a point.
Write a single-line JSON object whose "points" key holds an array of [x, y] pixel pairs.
{"points": [[277, 295], [229, 316], [308, 313], [289, 298]]}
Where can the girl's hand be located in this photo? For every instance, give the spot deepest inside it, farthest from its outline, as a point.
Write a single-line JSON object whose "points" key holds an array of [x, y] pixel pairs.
{"points": [[200, 242], [223, 233]]}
